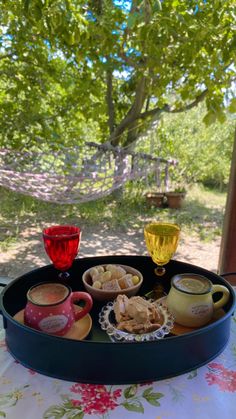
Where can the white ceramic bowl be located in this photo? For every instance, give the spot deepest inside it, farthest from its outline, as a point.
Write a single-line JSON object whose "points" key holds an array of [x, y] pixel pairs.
{"points": [[105, 295]]}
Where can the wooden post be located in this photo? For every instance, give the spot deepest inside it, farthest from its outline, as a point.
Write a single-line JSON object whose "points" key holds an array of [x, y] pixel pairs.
{"points": [[227, 259]]}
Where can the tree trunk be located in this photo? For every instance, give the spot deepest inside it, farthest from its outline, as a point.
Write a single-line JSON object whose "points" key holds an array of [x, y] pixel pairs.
{"points": [[227, 260]]}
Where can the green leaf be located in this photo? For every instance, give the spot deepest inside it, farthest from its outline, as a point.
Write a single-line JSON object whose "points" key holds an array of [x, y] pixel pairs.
{"points": [[209, 118], [151, 397], [153, 401], [157, 7], [221, 116], [68, 405], [26, 6], [175, 3], [65, 397], [130, 391], [78, 416], [3, 414], [7, 400], [234, 350], [36, 12], [54, 412], [69, 37], [132, 19], [147, 391], [232, 106], [134, 406], [192, 375], [74, 415], [184, 94]]}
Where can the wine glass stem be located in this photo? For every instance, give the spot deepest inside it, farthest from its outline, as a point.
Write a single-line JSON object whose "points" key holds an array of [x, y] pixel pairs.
{"points": [[160, 271], [159, 288]]}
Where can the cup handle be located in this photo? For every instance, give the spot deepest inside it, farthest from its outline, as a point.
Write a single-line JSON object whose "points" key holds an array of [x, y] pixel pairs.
{"points": [[225, 297], [84, 296]]}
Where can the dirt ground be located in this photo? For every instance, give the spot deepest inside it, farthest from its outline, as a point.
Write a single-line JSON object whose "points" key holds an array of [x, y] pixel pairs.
{"points": [[29, 253]]}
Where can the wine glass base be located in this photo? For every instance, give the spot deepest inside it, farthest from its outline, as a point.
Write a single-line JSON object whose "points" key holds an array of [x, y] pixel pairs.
{"points": [[160, 271], [64, 275]]}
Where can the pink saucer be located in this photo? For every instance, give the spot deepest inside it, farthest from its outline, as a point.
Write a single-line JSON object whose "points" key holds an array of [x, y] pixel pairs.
{"points": [[79, 330]]}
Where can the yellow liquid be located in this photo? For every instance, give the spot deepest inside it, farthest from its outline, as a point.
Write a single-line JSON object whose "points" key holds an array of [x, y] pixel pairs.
{"points": [[161, 241]]}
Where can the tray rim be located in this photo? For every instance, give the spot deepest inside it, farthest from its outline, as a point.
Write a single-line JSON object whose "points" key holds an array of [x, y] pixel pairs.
{"points": [[126, 382]]}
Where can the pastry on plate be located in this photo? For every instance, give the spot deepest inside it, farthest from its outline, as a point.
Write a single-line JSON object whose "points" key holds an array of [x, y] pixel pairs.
{"points": [[136, 315]]}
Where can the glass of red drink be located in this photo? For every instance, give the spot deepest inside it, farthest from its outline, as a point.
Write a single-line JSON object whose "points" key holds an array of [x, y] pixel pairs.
{"points": [[61, 243]]}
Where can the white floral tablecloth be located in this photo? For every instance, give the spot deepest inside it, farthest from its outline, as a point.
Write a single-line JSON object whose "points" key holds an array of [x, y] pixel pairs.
{"points": [[208, 392]]}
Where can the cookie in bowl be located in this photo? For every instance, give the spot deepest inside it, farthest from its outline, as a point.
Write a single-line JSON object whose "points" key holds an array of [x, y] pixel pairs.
{"points": [[135, 319], [105, 282]]}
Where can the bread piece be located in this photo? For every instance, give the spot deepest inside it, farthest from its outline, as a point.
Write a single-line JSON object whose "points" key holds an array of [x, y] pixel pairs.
{"points": [[117, 273], [122, 283], [129, 326], [136, 315], [126, 281], [120, 308], [138, 312], [111, 267], [112, 285], [93, 272], [97, 285], [139, 309], [102, 277]]}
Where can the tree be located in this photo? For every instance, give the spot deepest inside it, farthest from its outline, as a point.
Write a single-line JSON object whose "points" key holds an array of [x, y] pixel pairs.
{"points": [[203, 152], [113, 65]]}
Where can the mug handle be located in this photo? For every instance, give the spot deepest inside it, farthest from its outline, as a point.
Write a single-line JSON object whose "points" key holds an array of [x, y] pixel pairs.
{"points": [[225, 297], [84, 296]]}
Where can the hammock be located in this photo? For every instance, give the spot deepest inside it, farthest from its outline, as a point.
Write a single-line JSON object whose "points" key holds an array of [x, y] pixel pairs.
{"points": [[74, 175]]}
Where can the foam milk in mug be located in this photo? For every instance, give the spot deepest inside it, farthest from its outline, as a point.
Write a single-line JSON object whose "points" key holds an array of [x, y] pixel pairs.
{"points": [[190, 299], [50, 307]]}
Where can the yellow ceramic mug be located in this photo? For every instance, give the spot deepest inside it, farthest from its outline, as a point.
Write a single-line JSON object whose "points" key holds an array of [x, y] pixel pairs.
{"points": [[190, 299]]}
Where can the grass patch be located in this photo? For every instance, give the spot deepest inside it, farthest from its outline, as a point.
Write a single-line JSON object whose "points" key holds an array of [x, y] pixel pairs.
{"points": [[202, 214]]}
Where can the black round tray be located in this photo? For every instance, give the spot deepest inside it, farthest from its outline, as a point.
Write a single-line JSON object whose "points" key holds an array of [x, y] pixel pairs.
{"points": [[96, 359]]}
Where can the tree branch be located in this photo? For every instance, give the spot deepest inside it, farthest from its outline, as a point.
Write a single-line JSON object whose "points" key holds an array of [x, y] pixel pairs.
{"points": [[110, 104], [153, 112], [129, 61], [127, 32], [198, 99], [147, 103], [167, 108], [133, 113]]}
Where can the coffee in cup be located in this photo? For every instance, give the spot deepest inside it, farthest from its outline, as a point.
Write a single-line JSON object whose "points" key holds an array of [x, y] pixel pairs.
{"points": [[50, 307]]}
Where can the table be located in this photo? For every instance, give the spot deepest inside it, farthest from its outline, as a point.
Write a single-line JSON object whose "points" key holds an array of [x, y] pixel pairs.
{"points": [[207, 392]]}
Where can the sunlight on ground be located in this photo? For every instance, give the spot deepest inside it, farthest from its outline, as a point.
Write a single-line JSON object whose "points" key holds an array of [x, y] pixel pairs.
{"points": [[108, 228]]}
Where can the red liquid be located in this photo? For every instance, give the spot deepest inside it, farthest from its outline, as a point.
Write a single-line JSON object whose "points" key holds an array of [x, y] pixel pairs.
{"points": [[62, 244]]}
